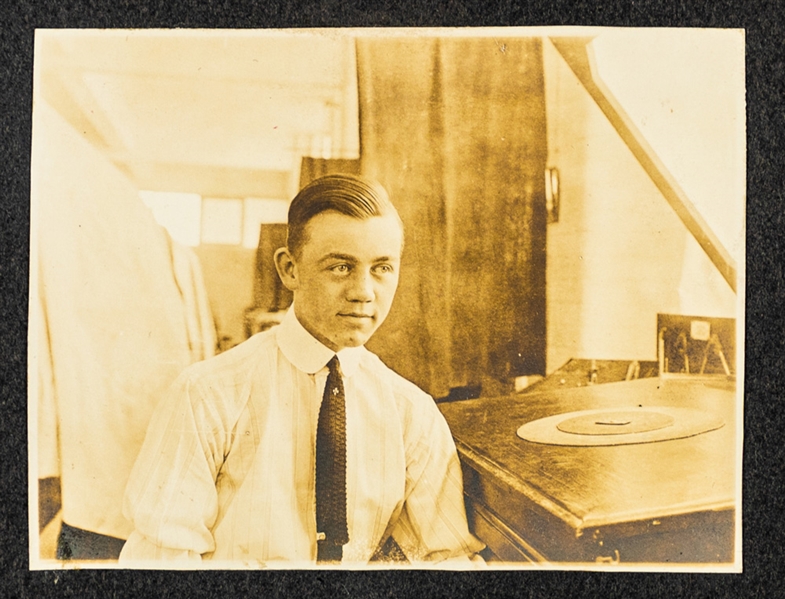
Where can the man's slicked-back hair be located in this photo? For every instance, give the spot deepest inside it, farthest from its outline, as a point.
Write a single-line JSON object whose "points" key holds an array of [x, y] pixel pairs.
{"points": [[351, 195]]}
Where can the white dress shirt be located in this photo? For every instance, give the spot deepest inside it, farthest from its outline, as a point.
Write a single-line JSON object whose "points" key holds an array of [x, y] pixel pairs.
{"points": [[227, 471]]}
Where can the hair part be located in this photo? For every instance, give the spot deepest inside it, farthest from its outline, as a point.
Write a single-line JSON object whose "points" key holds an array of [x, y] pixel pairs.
{"points": [[346, 194]]}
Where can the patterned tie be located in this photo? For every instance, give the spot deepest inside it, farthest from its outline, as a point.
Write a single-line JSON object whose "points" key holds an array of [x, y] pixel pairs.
{"points": [[332, 532]]}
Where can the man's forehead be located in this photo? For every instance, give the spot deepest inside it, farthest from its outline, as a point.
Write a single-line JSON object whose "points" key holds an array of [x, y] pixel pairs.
{"points": [[388, 216], [331, 232]]}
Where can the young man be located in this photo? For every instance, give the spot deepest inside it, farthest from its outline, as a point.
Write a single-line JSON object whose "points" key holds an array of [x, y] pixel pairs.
{"points": [[299, 445]]}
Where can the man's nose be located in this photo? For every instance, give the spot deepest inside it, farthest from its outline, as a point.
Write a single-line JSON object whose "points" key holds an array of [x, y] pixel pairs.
{"points": [[361, 287]]}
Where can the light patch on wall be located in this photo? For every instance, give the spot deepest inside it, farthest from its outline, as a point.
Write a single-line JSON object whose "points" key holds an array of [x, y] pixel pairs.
{"points": [[178, 213], [258, 211], [684, 90], [222, 221]]}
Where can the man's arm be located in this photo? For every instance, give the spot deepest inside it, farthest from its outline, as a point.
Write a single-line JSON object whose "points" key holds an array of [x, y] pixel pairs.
{"points": [[171, 496], [432, 526]]}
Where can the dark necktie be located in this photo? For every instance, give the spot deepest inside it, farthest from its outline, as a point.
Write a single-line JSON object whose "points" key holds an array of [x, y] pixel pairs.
{"points": [[332, 531]]}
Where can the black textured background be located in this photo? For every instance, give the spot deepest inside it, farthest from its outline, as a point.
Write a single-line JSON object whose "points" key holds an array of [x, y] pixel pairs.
{"points": [[763, 503]]}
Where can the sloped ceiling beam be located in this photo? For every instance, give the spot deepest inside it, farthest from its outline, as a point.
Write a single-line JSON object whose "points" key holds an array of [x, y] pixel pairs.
{"points": [[579, 56]]}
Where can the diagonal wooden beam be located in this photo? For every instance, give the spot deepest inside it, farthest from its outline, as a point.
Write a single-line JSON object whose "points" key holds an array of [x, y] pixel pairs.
{"points": [[578, 54]]}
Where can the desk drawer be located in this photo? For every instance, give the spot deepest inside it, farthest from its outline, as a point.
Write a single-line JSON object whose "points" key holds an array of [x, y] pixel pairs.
{"points": [[503, 542]]}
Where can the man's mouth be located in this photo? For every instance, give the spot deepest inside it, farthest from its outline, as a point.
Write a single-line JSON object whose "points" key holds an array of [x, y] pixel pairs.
{"points": [[355, 315]]}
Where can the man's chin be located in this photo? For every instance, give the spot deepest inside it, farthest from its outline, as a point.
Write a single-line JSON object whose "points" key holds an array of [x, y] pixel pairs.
{"points": [[354, 340]]}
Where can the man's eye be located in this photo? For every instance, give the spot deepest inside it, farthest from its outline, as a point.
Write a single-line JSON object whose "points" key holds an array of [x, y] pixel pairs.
{"points": [[383, 268], [340, 268]]}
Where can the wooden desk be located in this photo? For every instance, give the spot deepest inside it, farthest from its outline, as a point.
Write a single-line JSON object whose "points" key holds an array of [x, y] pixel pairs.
{"points": [[668, 502]]}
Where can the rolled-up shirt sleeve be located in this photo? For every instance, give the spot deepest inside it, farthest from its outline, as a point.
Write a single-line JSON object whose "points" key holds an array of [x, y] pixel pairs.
{"points": [[432, 526], [171, 496]]}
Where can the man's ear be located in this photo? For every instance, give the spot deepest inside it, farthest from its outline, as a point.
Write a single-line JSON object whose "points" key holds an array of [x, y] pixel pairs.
{"points": [[287, 269]]}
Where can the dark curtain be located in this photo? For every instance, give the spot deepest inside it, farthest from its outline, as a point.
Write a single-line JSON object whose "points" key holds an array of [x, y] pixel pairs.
{"points": [[455, 130]]}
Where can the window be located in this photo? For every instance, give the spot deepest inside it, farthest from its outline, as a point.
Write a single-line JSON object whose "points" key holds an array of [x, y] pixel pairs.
{"points": [[261, 211], [222, 221], [191, 219]]}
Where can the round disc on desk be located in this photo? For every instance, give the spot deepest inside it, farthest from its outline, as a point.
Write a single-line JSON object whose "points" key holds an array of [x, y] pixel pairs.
{"points": [[620, 422], [641, 425]]}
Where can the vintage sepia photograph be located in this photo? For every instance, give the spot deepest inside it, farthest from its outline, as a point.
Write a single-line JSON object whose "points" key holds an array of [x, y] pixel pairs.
{"points": [[465, 298]]}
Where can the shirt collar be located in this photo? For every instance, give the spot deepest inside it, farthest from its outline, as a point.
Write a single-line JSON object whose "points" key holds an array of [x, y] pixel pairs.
{"points": [[307, 353]]}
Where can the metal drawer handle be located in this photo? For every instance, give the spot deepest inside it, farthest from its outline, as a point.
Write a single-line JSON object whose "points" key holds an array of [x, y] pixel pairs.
{"points": [[614, 559]]}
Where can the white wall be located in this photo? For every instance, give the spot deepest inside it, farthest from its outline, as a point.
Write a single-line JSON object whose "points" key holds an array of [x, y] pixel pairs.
{"points": [[619, 254]]}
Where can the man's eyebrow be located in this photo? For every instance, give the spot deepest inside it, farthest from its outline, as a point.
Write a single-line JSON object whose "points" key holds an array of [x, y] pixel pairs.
{"points": [[337, 256], [353, 259]]}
